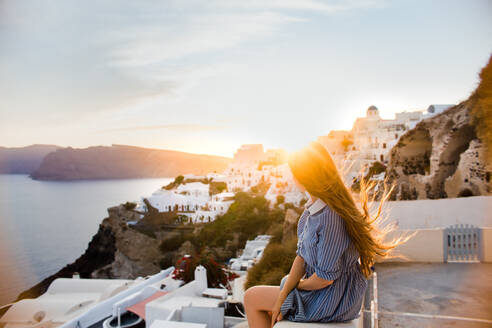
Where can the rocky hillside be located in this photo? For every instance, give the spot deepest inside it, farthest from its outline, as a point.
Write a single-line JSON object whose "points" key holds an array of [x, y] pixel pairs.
{"points": [[119, 162], [446, 155], [23, 160], [158, 240], [116, 251]]}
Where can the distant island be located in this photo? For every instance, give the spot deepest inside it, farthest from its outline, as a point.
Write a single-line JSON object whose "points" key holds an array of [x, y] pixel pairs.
{"points": [[123, 162], [23, 160]]}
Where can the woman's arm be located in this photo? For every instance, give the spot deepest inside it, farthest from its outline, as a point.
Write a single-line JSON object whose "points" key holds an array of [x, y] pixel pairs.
{"points": [[313, 283], [297, 271]]}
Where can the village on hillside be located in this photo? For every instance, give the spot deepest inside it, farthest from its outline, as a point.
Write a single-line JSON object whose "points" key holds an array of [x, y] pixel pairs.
{"points": [[201, 198]]}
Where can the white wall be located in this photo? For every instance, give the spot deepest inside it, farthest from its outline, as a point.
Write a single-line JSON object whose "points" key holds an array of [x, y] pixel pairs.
{"points": [[487, 245], [425, 245], [440, 213]]}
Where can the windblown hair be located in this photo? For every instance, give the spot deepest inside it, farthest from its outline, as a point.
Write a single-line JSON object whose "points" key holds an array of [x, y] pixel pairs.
{"points": [[314, 168]]}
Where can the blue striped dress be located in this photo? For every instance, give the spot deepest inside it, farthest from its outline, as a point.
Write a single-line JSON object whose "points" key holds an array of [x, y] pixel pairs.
{"points": [[326, 248]]}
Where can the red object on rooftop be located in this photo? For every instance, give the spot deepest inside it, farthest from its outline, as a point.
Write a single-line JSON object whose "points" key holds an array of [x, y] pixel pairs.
{"points": [[139, 308]]}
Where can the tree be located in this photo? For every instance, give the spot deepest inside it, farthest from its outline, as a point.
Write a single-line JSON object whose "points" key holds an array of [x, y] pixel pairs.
{"points": [[261, 188], [177, 181], [274, 264], [129, 206], [217, 274], [217, 187], [249, 216]]}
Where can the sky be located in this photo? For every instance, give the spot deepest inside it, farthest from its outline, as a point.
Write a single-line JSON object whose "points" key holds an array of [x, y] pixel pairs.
{"points": [[208, 76]]}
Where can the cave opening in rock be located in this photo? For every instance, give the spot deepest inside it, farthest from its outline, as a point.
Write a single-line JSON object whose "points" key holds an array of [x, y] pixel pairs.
{"points": [[415, 155], [465, 193], [450, 158]]}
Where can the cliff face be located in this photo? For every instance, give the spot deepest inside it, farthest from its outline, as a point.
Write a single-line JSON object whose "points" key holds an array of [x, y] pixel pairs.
{"points": [[119, 162], [136, 254], [119, 251], [23, 160], [100, 252], [441, 157]]}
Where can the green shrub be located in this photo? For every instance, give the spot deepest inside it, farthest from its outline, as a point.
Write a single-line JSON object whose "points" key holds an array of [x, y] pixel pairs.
{"points": [[261, 188], [481, 107], [274, 265], [276, 231], [172, 243], [290, 206], [217, 274], [147, 230], [166, 261], [217, 187], [202, 180], [130, 206], [249, 215], [177, 181]]}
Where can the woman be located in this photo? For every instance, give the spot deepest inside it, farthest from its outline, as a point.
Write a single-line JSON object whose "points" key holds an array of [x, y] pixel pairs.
{"points": [[337, 244]]}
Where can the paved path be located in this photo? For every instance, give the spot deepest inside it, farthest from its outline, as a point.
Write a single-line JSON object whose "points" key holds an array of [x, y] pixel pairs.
{"points": [[453, 289]]}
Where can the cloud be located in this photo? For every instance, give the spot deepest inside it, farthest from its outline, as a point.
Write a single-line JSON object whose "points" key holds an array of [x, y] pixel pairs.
{"points": [[125, 57], [178, 42], [185, 28], [197, 34], [325, 7], [185, 127]]}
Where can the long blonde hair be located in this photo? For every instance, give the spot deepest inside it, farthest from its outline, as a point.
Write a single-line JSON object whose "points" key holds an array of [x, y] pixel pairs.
{"points": [[314, 168]]}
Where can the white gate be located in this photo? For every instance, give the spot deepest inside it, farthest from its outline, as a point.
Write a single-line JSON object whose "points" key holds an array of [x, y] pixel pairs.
{"points": [[462, 243]]}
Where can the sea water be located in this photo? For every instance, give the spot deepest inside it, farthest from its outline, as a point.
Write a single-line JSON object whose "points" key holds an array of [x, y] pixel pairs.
{"points": [[45, 225]]}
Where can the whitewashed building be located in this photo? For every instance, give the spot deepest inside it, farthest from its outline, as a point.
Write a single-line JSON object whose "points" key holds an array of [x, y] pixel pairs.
{"points": [[252, 253], [435, 109], [374, 136], [370, 139], [186, 197], [194, 189], [283, 184], [252, 166], [218, 205], [216, 177], [192, 200], [243, 172]]}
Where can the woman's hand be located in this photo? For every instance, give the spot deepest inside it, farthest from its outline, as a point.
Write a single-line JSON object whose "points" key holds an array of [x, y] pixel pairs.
{"points": [[295, 274], [300, 284], [276, 314]]}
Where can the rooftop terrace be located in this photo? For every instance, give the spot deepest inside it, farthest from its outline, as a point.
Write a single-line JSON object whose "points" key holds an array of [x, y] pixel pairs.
{"points": [[452, 294]]}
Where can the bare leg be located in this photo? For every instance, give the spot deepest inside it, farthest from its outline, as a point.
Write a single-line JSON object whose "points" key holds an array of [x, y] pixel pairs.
{"points": [[258, 301]]}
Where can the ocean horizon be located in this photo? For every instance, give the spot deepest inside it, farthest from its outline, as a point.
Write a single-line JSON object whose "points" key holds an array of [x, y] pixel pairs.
{"points": [[45, 225]]}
